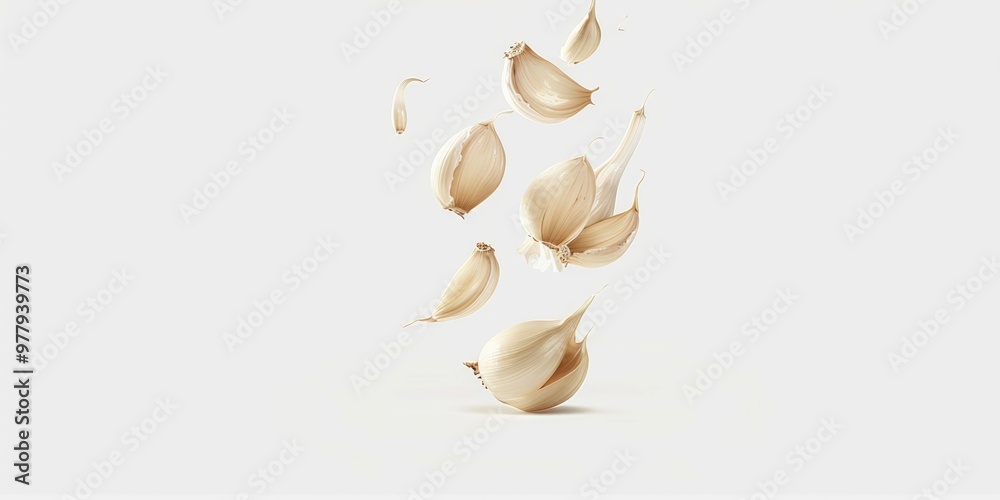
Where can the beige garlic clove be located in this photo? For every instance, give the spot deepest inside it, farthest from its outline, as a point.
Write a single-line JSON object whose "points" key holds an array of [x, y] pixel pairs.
{"points": [[469, 167], [537, 89], [584, 38], [470, 288], [399, 104], [555, 208], [609, 173], [535, 365], [603, 242]]}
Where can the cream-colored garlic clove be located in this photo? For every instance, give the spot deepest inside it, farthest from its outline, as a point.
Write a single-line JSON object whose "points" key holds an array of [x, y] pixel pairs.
{"points": [[609, 173], [556, 206], [399, 104], [537, 89], [603, 242], [584, 38], [535, 365], [470, 288], [469, 167]]}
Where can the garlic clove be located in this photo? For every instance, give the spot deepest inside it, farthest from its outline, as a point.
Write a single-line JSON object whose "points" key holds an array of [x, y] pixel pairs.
{"points": [[604, 241], [562, 385], [537, 89], [584, 38], [609, 173], [523, 358], [470, 288], [469, 167], [399, 105]]}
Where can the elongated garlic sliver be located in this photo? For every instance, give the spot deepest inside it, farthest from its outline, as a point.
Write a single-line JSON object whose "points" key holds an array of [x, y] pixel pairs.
{"points": [[399, 106], [556, 206], [537, 89], [469, 167], [604, 241], [470, 288], [609, 174], [584, 38], [535, 365]]}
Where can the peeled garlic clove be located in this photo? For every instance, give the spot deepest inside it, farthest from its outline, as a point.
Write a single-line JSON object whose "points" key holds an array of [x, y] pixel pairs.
{"points": [[399, 106], [584, 39], [470, 288], [469, 167], [539, 90], [603, 242], [556, 206], [525, 365], [609, 174]]}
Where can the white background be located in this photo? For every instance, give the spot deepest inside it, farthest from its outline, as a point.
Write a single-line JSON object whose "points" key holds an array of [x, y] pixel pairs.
{"points": [[325, 176]]}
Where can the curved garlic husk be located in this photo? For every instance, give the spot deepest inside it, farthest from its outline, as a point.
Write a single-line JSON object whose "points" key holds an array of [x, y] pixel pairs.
{"points": [[603, 242], [538, 90], [584, 39], [535, 365], [555, 208], [609, 174], [469, 167], [399, 105], [470, 288]]}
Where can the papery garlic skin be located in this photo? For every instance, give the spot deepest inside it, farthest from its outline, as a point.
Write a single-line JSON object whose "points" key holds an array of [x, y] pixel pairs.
{"points": [[556, 206], [584, 39], [470, 288], [537, 89], [604, 241], [399, 104], [468, 168], [609, 173], [537, 364]]}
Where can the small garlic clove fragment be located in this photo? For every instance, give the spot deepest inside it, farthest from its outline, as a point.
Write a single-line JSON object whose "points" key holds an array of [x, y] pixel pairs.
{"points": [[399, 104], [537, 89], [531, 356], [604, 241], [584, 38], [609, 173], [470, 288], [469, 167], [556, 206]]}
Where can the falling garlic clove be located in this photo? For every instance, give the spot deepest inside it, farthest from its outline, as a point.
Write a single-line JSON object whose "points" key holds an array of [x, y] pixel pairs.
{"points": [[555, 208], [584, 38], [604, 241], [469, 167], [535, 365], [537, 89], [470, 288], [399, 106], [609, 174]]}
